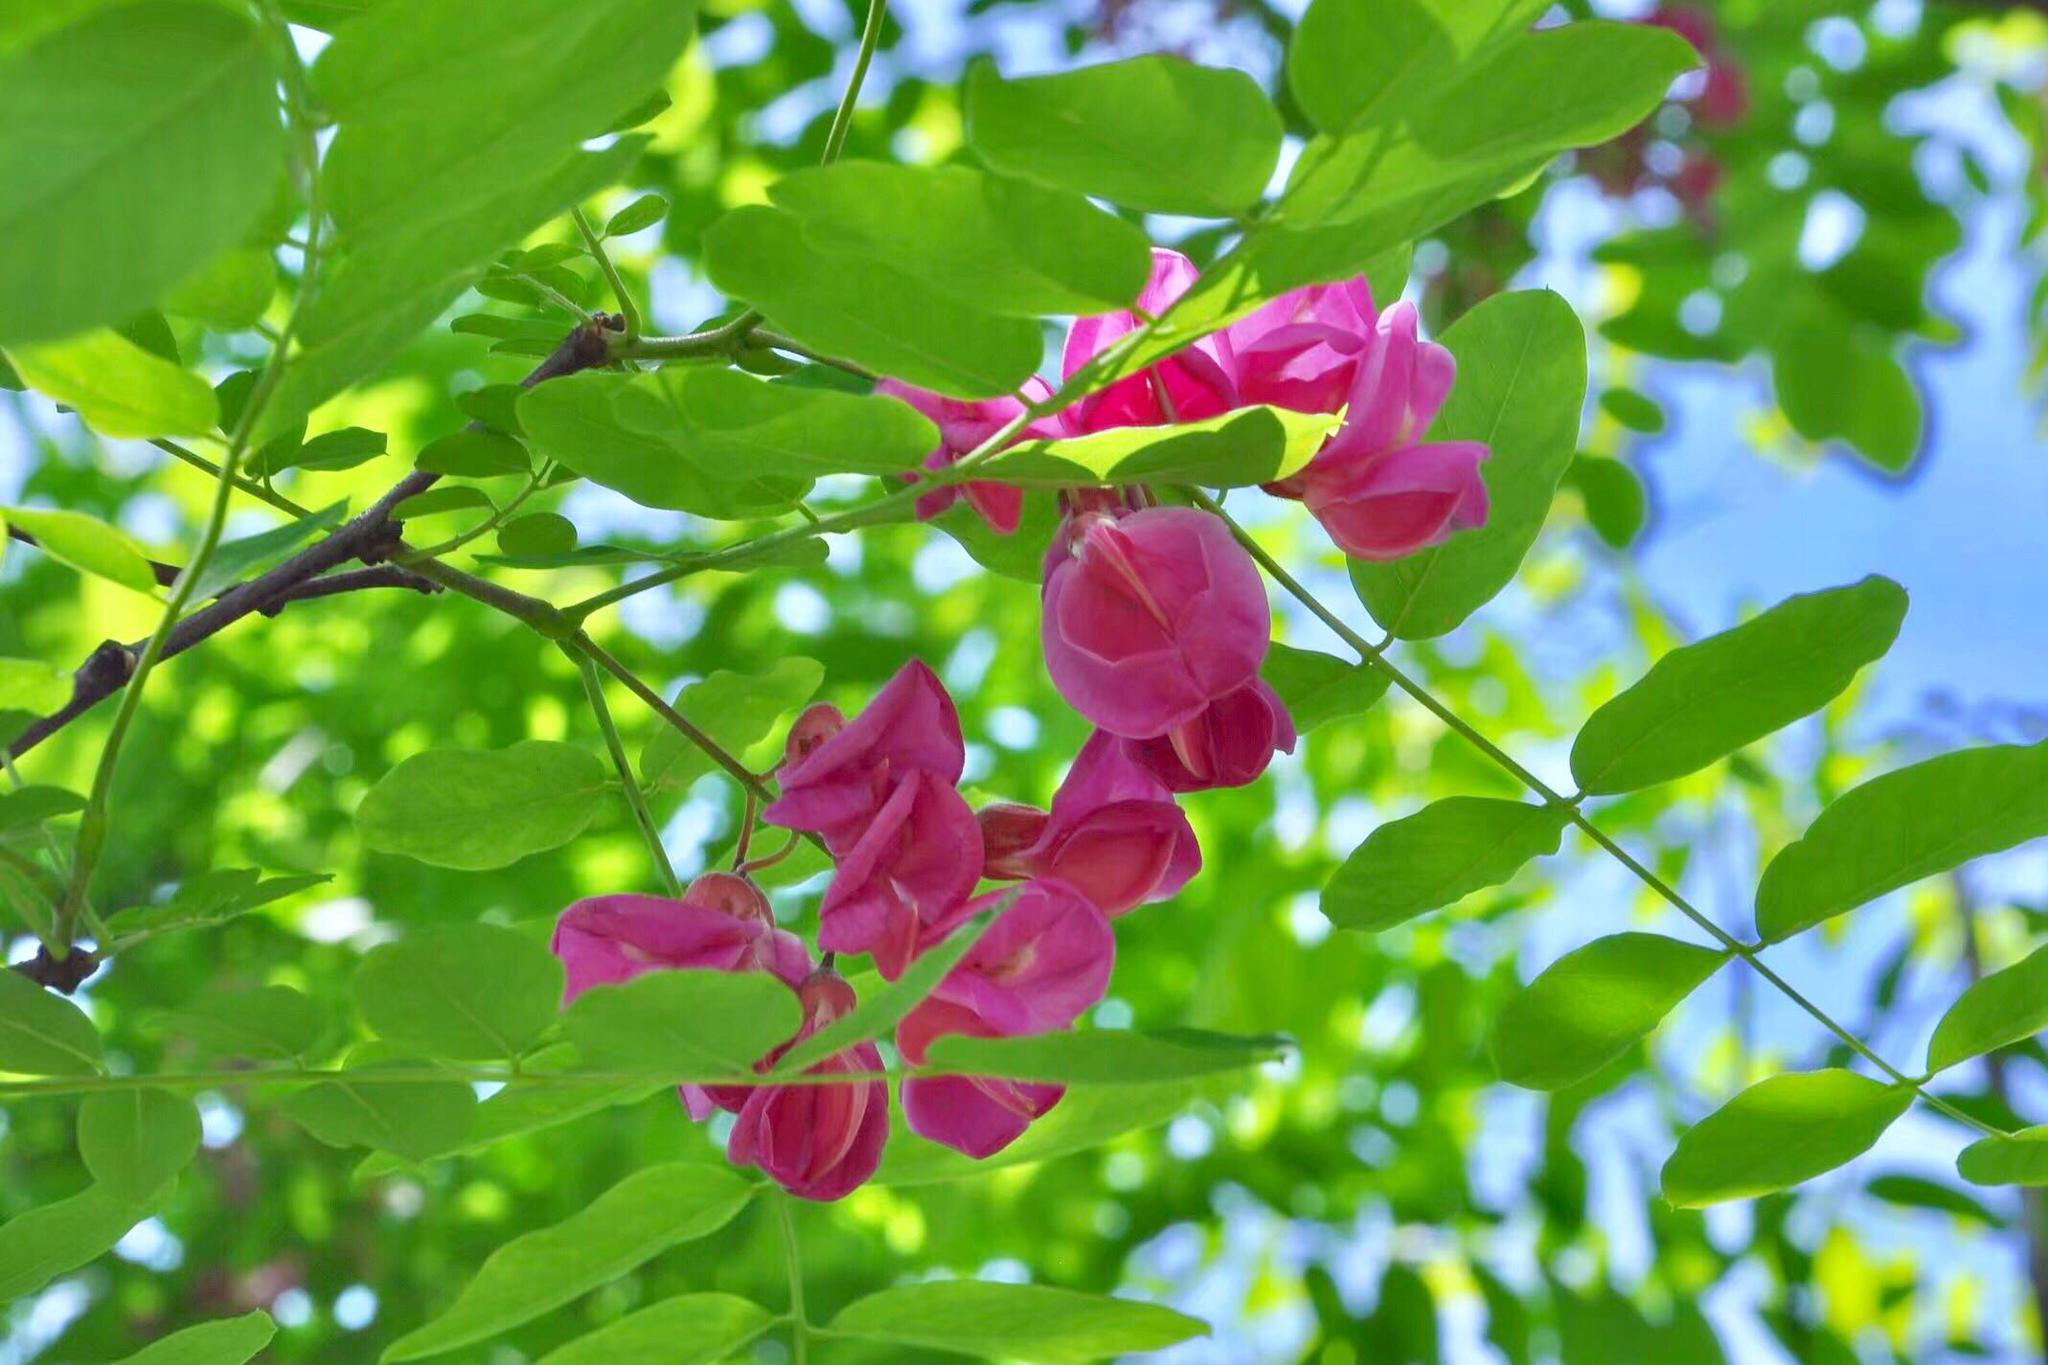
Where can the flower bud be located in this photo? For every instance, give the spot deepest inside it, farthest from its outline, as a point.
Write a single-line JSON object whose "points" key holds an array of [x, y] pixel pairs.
{"points": [[1007, 830]]}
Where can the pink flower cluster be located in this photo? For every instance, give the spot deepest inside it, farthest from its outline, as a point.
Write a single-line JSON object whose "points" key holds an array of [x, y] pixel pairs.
{"points": [[1378, 488]]}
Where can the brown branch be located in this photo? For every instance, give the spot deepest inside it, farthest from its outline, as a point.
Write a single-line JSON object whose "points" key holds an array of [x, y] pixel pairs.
{"points": [[371, 538]]}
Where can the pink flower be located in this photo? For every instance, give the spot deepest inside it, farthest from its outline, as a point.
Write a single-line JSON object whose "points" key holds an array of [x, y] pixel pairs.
{"points": [[963, 426], [1149, 617], [908, 877], [1228, 745], [1042, 963], [817, 1141], [722, 924], [834, 786], [1114, 833], [1375, 486], [1185, 387], [1301, 350]]}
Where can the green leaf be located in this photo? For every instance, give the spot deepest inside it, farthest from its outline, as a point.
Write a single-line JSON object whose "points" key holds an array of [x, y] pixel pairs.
{"points": [[477, 809], [475, 455], [1917, 1192], [2021, 1159], [1319, 688], [354, 1108], [55, 1239], [43, 1034], [32, 686], [242, 558], [1083, 1120], [879, 1013], [87, 545], [1354, 62], [1593, 1004], [635, 1220], [1836, 378], [117, 388], [266, 1021], [1905, 825], [1704, 701], [225, 1341], [103, 126], [537, 533], [643, 212], [689, 1025], [32, 805], [209, 899], [1521, 382], [1113, 1057], [879, 315], [1780, 1132], [991, 242], [135, 1140], [689, 1329], [1248, 446], [2005, 1007], [448, 497], [229, 293], [738, 710], [465, 992], [495, 406], [1616, 503], [1436, 857], [726, 419], [579, 422], [1025, 1322], [328, 452], [1153, 133], [1634, 410]]}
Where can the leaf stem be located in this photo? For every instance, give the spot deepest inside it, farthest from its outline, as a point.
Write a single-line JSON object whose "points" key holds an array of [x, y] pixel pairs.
{"points": [[593, 687], [792, 1260], [748, 779], [842, 118], [628, 308], [1374, 655]]}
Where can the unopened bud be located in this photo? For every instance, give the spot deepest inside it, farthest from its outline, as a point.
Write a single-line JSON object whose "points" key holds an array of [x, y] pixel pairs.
{"points": [[819, 723], [1007, 830], [732, 895]]}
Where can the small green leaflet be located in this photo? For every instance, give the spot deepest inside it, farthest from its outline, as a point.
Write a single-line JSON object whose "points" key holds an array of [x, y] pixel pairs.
{"points": [[1352, 63], [1024, 1322], [1703, 701], [643, 212], [42, 1034], [738, 710], [1633, 409], [1436, 857], [265, 1021], [881, 1011], [1319, 688], [1918, 1192], [1593, 1004], [537, 534], [477, 809], [414, 1117], [1114, 1057], [635, 1220], [689, 1329], [462, 992], [117, 388], [133, 1141], [32, 687], [2021, 1159], [1780, 1132], [239, 559], [729, 420], [1249, 446], [2005, 1007], [226, 1341], [1155, 133], [32, 805], [55, 1239], [1616, 503], [1521, 383], [1835, 381], [86, 544], [229, 293], [137, 106], [986, 240], [686, 1025], [1895, 829], [209, 899]]}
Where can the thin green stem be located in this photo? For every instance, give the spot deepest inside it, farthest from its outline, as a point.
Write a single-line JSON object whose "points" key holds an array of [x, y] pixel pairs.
{"points": [[1374, 655], [593, 687], [93, 824], [549, 294], [792, 1260], [716, 752], [628, 308], [842, 118], [241, 484], [498, 517]]}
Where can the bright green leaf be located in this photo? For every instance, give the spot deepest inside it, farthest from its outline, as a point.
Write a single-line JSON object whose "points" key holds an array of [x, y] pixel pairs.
{"points": [[635, 1220], [738, 710], [1703, 701], [1593, 1004], [1024, 1322], [225, 1341], [209, 899], [537, 533], [32, 686], [86, 544], [689, 1329], [884, 1007], [32, 805], [643, 212], [1905, 825], [477, 809], [2003, 1008], [1436, 857], [448, 497], [55, 1239], [474, 455], [1355, 62], [699, 1025], [1780, 1132], [414, 1117], [1248, 446], [134, 1140], [1635, 410], [1319, 688], [1918, 1192], [43, 1034], [266, 1021], [1521, 382], [229, 293], [465, 992], [1837, 379], [1616, 503], [237, 559], [117, 388], [104, 127], [1156, 133], [2021, 1159]]}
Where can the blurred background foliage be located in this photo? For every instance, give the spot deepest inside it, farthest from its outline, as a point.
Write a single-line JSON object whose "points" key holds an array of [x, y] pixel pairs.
{"points": [[1770, 262]]}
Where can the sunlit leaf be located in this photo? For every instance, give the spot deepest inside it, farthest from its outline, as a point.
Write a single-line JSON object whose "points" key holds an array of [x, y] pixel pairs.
{"points": [[1024, 1322], [1438, 856], [1593, 1004], [1780, 1132], [484, 808]]}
